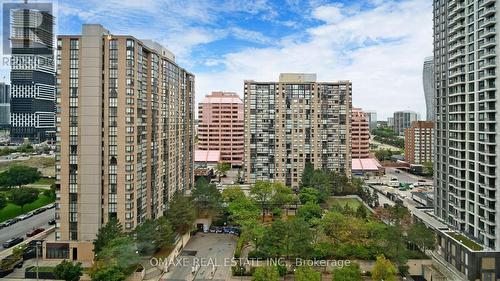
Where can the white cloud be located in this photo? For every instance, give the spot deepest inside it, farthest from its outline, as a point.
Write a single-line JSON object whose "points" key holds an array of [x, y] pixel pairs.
{"points": [[329, 13], [381, 50]]}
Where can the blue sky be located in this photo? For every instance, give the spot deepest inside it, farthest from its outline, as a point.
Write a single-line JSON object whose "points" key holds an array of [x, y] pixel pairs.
{"points": [[378, 44]]}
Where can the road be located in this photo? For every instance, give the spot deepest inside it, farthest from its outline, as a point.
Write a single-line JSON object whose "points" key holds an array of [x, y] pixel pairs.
{"points": [[21, 227], [212, 251]]}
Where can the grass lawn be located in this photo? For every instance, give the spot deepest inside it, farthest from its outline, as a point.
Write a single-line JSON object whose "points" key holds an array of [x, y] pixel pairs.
{"points": [[45, 181], [13, 210], [353, 203], [466, 241], [44, 164]]}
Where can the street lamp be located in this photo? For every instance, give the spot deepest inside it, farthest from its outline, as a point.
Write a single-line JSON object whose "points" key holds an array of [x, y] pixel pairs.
{"points": [[294, 274], [38, 244], [241, 273]]}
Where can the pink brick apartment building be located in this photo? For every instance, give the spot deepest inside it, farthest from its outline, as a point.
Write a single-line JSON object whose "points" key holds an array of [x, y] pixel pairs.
{"points": [[360, 134], [221, 126]]}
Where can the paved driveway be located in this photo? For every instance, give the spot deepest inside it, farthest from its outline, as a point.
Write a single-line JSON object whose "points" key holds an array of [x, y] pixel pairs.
{"points": [[208, 254]]}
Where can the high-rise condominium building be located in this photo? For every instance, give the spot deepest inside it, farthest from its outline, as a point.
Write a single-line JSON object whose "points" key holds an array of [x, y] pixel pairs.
{"points": [[419, 140], [295, 121], [125, 135], [221, 127], [390, 122], [360, 134], [4, 106], [32, 108], [372, 119], [467, 193], [403, 120], [428, 83]]}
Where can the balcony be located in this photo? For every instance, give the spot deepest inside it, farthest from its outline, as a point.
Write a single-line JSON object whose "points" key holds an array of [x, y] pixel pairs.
{"points": [[489, 11], [490, 22]]}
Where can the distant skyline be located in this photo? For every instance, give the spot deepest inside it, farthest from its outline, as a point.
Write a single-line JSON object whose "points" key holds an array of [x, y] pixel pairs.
{"points": [[379, 45]]}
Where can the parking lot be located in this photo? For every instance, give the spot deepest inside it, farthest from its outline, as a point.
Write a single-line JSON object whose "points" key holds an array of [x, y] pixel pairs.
{"points": [[211, 251]]}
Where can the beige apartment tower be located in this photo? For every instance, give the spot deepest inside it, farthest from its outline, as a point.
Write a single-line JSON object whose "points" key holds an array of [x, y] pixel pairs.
{"points": [[295, 121], [124, 135]]}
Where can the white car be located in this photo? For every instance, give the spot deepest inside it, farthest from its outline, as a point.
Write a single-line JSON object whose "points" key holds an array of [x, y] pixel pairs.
{"points": [[25, 216]]}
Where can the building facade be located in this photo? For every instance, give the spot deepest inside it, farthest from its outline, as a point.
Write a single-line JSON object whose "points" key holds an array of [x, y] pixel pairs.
{"points": [[403, 120], [295, 121], [419, 141], [124, 134], [466, 130], [372, 119], [428, 83], [4, 106], [32, 104], [220, 126], [390, 122], [360, 134]]}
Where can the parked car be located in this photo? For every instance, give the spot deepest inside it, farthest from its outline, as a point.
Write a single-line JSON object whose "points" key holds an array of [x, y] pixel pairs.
{"points": [[39, 210], [25, 216], [10, 222], [12, 242], [212, 229], [50, 206], [52, 222], [35, 232]]}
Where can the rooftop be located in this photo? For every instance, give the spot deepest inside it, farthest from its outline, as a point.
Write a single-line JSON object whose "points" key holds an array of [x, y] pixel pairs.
{"points": [[465, 241], [204, 156], [222, 97], [367, 164]]}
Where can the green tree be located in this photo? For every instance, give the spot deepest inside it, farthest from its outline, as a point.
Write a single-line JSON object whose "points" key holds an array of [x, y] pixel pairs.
{"points": [[347, 273], [19, 175], [207, 198], [116, 260], [307, 175], [68, 271], [243, 210], [288, 239], [262, 192], [384, 270], [307, 273], [282, 196], [120, 251], [309, 194], [310, 211], [222, 168], [361, 212], [181, 213], [24, 195], [113, 229], [51, 193], [422, 236], [108, 273], [147, 237], [165, 232], [3, 201], [232, 193], [266, 273]]}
